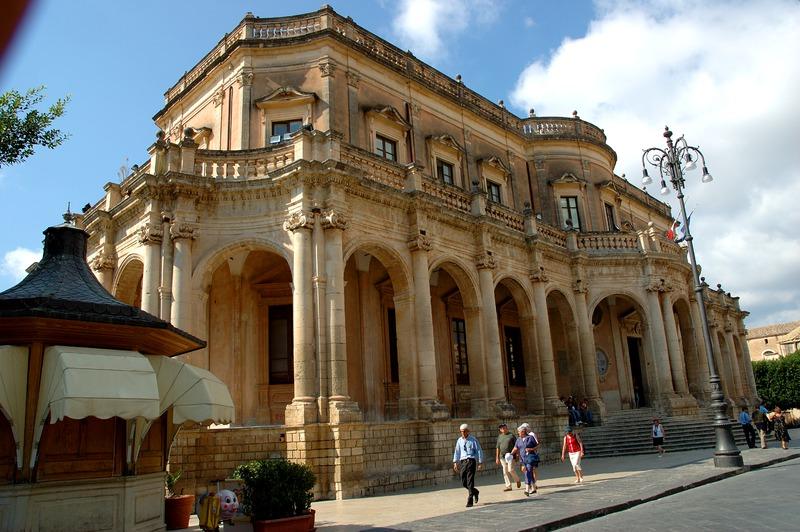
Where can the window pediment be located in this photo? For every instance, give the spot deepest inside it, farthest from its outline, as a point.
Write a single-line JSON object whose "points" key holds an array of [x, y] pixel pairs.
{"points": [[390, 114], [495, 165], [283, 96], [568, 178], [446, 141]]}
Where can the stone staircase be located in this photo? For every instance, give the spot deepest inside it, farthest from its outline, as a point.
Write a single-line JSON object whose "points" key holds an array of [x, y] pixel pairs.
{"points": [[628, 432]]}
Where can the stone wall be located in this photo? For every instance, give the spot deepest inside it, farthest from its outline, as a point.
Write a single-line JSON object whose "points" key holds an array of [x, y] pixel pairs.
{"points": [[350, 460]]}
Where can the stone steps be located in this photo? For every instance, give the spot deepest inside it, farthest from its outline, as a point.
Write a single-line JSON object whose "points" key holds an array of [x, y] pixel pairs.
{"points": [[628, 433]]}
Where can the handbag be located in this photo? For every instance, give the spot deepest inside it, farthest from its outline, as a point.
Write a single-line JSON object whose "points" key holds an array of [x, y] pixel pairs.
{"points": [[532, 459]]}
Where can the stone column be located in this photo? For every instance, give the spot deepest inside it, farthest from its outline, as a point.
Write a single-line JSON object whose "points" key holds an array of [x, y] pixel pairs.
{"points": [[622, 360], [182, 234], [430, 406], [150, 236], [165, 290], [748, 366], [493, 351], [105, 261], [342, 407], [533, 379], [545, 343], [245, 81], [739, 391], [660, 351], [702, 359], [407, 355], [673, 346], [722, 368], [303, 408], [588, 349]]}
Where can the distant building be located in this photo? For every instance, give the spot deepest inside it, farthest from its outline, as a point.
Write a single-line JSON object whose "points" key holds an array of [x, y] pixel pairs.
{"points": [[372, 249], [773, 341]]}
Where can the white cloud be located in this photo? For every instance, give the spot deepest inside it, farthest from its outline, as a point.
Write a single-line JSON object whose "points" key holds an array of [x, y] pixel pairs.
{"points": [[724, 73], [15, 261], [423, 25]]}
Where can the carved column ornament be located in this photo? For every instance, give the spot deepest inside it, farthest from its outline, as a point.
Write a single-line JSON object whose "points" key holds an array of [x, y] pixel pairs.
{"points": [[539, 276], [180, 229], [659, 286], [353, 79], [150, 234], [333, 220], [327, 68], [104, 261], [245, 79], [219, 97], [298, 220], [485, 261], [420, 243], [579, 287]]}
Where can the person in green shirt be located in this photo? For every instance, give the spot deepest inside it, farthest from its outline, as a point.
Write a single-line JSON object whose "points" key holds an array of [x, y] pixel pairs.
{"points": [[503, 456]]}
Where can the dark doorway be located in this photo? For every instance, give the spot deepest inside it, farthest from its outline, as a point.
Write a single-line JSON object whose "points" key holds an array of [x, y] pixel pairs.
{"points": [[634, 352], [514, 357]]}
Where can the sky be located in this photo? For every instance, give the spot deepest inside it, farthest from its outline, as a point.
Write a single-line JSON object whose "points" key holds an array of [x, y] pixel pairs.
{"points": [[724, 73]]}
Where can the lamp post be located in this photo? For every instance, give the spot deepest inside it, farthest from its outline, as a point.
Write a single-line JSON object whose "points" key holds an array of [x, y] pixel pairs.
{"points": [[672, 163]]}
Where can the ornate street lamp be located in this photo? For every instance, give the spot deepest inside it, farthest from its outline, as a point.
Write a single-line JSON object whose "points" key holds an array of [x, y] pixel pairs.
{"points": [[672, 163]]}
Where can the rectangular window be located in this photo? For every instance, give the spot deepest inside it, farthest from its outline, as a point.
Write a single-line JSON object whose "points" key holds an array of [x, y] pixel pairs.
{"points": [[394, 366], [286, 126], [493, 189], [610, 219], [460, 351], [281, 361], [386, 148], [515, 362], [444, 171], [569, 211]]}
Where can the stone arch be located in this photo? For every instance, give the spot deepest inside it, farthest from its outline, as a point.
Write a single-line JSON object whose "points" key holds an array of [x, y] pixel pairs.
{"points": [[566, 343], [127, 286], [379, 318], [619, 325], [213, 258], [521, 367], [459, 336]]}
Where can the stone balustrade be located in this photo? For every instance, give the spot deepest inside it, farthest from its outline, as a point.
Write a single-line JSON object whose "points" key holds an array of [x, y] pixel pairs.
{"points": [[452, 197], [560, 127], [375, 168], [508, 217], [608, 241], [552, 235], [245, 164]]}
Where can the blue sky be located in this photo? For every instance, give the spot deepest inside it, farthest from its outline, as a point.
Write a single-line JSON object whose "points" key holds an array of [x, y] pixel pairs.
{"points": [[715, 70]]}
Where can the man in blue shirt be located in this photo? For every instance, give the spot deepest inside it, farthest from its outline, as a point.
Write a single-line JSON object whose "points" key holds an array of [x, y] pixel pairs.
{"points": [[467, 458], [747, 427]]}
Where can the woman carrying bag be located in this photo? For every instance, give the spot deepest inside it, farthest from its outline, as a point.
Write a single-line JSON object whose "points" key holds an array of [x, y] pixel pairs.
{"points": [[526, 448]]}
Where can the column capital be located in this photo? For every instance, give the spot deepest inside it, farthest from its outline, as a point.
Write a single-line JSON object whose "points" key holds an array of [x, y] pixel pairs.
{"points": [[485, 261], [179, 230], [579, 286], [327, 68], [104, 260], [150, 234], [658, 285], [538, 276], [245, 78], [298, 220], [420, 243], [353, 78], [332, 219]]}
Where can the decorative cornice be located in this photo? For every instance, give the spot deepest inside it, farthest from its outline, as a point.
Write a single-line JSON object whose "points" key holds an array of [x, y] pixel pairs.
{"points": [[151, 234], [420, 243], [179, 230], [332, 219], [485, 261], [298, 220]]}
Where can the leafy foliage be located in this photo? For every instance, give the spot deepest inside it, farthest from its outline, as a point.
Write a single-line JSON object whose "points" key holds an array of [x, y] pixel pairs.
{"points": [[778, 381], [170, 480], [22, 127], [274, 489]]}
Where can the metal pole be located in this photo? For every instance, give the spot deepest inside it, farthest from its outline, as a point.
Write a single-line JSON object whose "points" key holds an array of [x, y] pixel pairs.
{"points": [[726, 454]]}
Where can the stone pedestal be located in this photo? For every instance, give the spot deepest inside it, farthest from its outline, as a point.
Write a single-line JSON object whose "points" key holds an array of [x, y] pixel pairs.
{"points": [[344, 411], [433, 410]]}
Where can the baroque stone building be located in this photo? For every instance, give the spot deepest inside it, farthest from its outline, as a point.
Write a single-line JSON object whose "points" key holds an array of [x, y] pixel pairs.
{"points": [[372, 250]]}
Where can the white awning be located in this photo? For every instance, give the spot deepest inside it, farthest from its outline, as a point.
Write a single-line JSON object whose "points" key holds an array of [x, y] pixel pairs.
{"points": [[193, 393], [13, 389]]}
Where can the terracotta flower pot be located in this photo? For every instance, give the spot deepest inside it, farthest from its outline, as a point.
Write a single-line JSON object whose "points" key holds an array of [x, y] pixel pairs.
{"points": [[298, 523], [177, 511]]}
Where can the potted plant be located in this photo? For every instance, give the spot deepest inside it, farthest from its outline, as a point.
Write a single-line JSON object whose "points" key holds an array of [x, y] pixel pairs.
{"points": [[276, 494], [177, 508]]}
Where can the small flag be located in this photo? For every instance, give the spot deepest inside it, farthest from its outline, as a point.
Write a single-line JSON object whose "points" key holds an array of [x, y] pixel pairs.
{"points": [[672, 230], [683, 230]]}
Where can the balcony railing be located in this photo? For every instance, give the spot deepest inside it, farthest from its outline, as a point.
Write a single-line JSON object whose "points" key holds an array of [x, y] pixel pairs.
{"points": [[608, 241], [451, 196], [375, 168], [247, 164]]}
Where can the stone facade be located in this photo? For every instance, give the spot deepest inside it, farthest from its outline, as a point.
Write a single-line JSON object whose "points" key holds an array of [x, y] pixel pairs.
{"points": [[773, 341], [373, 251]]}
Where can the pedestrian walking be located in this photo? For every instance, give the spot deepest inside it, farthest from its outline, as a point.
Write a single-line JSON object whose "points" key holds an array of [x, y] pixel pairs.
{"points": [[574, 446], [504, 456], [658, 436], [468, 458], [529, 432], [526, 448], [760, 420], [747, 427], [779, 426]]}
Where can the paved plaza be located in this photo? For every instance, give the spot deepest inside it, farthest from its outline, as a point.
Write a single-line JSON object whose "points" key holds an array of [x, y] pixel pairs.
{"points": [[612, 485]]}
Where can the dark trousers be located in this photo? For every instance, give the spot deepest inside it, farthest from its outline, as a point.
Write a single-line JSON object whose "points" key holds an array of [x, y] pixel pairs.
{"points": [[749, 435], [468, 467]]}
